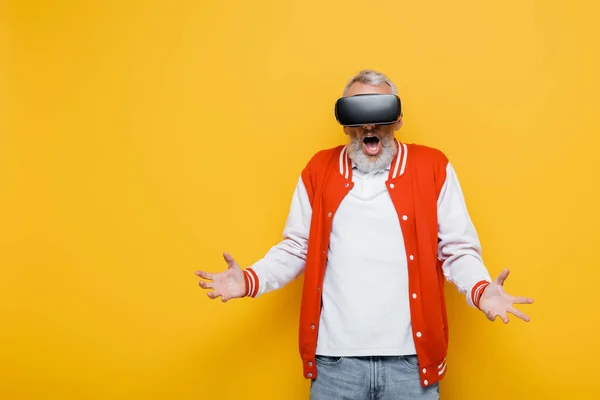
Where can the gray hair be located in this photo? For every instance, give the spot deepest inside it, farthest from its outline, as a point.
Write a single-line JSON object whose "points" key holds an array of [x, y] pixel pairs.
{"points": [[371, 77]]}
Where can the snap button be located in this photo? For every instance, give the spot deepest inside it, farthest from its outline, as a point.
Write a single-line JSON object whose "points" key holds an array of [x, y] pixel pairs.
{"points": [[424, 370], [414, 295], [347, 184], [404, 217], [411, 257], [426, 382], [419, 334], [329, 215], [313, 328], [310, 364], [310, 375], [391, 185]]}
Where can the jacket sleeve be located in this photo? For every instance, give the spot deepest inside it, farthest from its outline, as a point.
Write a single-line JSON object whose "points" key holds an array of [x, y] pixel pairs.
{"points": [[459, 248], [285, 261]]}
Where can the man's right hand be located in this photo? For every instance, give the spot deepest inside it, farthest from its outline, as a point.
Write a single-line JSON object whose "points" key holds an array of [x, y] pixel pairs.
{"points": [[229, 284]]}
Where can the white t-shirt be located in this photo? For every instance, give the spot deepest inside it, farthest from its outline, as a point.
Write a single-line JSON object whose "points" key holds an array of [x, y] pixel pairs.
{"points": [[365, 308]]}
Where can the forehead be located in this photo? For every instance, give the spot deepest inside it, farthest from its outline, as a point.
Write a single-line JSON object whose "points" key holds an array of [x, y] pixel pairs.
{"points": [[365, 88]]}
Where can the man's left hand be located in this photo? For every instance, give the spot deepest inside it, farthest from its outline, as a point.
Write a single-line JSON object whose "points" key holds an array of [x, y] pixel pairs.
{"points": [[494, 302]]}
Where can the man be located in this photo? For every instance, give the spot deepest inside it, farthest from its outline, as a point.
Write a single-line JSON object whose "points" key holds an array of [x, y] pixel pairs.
{"points": [[376, 226]]}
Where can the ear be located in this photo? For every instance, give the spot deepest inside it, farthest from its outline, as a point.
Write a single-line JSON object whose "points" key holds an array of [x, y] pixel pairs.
{"points": [[346, 131], [398, 124]]}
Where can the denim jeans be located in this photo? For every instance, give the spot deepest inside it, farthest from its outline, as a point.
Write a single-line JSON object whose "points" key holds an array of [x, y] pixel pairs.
{"points": [[370, 378]]}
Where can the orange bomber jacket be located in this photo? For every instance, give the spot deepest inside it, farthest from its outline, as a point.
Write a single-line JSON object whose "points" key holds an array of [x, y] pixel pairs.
{"points": [[414, 183]]}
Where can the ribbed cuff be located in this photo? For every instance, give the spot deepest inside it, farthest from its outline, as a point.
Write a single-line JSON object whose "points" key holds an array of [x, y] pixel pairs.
{"points": [[477, 291], [252, 283]]}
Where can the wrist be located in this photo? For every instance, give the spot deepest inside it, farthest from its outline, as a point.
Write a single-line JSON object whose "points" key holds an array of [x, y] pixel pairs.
{"points": [[246, 284], [251, 283], [477, 292]]}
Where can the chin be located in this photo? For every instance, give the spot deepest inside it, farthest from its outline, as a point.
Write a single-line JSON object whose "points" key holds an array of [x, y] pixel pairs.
{"points": [[368, 163], [371, 156]]}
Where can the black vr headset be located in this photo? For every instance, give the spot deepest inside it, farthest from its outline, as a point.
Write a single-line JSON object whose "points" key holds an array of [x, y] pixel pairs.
{"points": [[365, 109]]}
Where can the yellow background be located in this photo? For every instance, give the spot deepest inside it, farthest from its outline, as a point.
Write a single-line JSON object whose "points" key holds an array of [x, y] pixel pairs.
{"points": [[139, 140]]}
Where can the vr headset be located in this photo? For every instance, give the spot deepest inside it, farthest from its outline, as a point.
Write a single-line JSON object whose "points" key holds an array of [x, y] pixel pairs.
{"points": [[365, 109]]}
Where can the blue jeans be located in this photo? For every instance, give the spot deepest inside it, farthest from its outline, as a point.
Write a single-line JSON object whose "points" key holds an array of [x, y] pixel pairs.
{"points": [[370, 378]]}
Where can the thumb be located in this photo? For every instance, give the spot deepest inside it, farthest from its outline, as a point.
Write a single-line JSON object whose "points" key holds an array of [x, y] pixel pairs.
{"points": [[502, 277], [229, 260]]}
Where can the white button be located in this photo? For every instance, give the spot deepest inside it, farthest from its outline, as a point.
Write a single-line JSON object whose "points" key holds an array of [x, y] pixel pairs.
{"points": [[411, 257], [329, 215], [310, 364], [391, 185], [310, 376], [404, 217], [424, 370], [426, 382], [418, 334], [414, 295], [313, 328]]}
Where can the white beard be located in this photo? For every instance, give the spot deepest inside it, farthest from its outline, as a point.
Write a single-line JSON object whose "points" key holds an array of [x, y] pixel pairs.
{"points": [[366, 163]]}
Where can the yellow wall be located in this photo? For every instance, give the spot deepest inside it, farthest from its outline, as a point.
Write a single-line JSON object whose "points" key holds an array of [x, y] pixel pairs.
{"points": [[139, 140]]}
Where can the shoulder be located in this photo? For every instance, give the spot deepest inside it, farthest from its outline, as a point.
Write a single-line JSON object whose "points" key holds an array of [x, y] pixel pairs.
{"points": [[427, 163], [323, 159], [418, 152], [325, 156], [318, 167]]}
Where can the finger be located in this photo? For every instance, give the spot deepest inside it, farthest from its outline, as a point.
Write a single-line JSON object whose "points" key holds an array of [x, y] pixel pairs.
{"points": [[229, 260], [519, 314], [206, 285], [205, 275], [504, 317], [502, 277], [522, 300], [490, 316], [213, 295]]}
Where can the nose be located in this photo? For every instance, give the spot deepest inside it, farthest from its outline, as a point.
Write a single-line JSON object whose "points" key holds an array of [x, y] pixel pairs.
{"points": [[369, 126]]}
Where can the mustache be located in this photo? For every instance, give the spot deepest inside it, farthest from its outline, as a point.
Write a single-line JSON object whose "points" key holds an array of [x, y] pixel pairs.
{"points": [[363, 133], [357, 141], [379, 134]]}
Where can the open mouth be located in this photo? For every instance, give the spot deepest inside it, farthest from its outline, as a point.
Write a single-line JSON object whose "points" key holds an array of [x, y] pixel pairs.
{"points": [[371, 144]]}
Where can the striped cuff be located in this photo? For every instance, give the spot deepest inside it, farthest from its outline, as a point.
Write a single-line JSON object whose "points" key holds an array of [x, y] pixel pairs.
{"points": [[477, 291], [252, 283]]}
